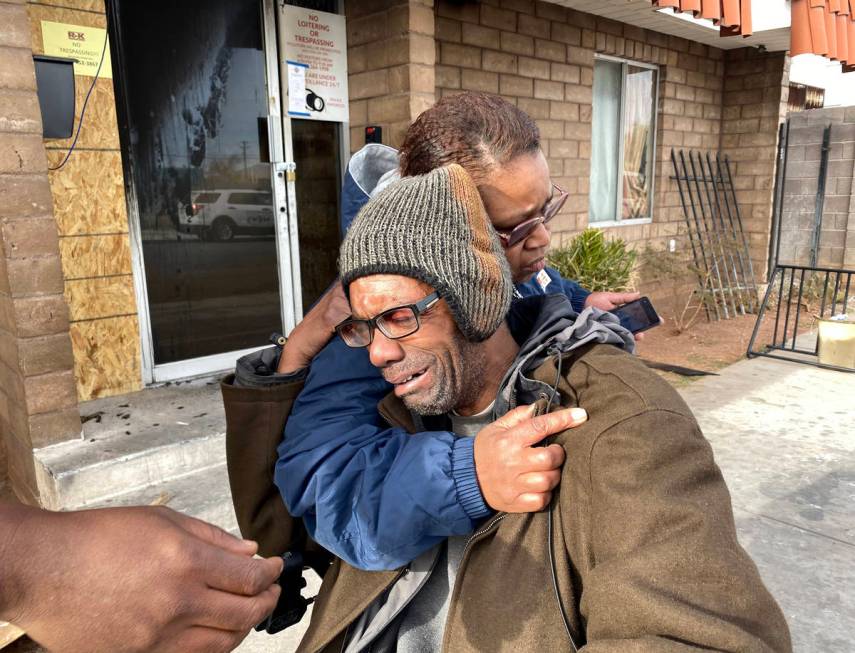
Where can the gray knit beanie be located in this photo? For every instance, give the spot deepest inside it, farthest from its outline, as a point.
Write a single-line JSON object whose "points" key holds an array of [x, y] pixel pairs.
{"points": [[434, 228]]}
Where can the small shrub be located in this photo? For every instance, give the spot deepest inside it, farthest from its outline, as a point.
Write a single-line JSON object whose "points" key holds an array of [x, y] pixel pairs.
{"points": [[596, 263]]}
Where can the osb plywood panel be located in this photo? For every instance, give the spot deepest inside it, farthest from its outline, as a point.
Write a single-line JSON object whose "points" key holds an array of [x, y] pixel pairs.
{"points": [[106, 356], [89, 299], [88, 192], [86, 5], [100, 128], [84, 257]]}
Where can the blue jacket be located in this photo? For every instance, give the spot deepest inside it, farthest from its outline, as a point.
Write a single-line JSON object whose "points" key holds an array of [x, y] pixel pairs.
{"points": [[355, 482]]}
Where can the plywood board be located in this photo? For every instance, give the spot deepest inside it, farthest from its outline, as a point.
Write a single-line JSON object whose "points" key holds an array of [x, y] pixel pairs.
{"points": [[88, 192], [100, 128], [84, 257], [106, 356], [85, 5], [90, 299]]}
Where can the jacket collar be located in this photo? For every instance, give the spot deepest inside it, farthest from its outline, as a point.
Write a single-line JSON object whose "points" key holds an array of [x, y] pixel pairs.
{"points": [[546, 326], [543, 326], [396, 413]]}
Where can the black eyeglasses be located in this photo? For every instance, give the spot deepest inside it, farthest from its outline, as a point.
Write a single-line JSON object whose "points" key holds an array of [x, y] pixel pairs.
{"points": [[523, 230], [395, 323]]}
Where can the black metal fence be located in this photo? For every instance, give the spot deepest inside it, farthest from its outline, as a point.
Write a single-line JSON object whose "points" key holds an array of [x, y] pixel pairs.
{"points": [[797, 296]]}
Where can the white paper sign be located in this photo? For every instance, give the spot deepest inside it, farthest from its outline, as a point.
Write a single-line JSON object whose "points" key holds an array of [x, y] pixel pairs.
{"points": [[316, 42], [297, 88]]}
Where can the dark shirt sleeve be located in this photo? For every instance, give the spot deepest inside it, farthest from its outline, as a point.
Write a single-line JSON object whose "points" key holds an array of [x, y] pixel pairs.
{"points": [[377, 497]]}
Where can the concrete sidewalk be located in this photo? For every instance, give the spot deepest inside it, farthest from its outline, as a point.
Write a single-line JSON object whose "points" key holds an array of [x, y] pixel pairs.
{"points": [[784, 436]]}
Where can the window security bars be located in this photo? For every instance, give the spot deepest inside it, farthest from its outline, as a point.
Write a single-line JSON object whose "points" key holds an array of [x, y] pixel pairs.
{"points": [[719, 246]]}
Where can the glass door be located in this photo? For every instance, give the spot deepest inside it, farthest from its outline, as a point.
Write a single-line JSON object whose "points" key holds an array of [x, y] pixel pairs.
{"points": [[204, 152]]}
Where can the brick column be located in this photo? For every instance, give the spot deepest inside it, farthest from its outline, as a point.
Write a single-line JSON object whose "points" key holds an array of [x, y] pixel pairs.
{"points": [[754, 104], [391, 55], [38, 399]]}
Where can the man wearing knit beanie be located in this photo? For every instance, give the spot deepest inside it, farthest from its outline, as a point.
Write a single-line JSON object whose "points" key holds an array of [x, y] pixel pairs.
{"points": [[637, 551], [431, 234]]}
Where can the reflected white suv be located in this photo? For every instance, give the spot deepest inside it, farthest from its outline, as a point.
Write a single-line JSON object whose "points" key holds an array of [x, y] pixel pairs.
{"points": [[222, 214]]}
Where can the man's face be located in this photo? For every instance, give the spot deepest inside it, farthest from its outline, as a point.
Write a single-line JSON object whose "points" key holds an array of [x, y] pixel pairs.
{"points": [[512, 194], [428, 368]]}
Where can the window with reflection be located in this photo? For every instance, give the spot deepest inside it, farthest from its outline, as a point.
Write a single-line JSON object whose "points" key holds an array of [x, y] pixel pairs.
{"points": [[622, 147]]}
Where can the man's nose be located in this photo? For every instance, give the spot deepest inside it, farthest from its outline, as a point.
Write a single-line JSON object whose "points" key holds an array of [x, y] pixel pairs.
{"points": [[539, 237], [383, 351]]}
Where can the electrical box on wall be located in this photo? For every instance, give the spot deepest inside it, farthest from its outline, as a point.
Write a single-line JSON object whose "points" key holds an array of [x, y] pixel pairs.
{"points": [[373, 134], [55, 81]]}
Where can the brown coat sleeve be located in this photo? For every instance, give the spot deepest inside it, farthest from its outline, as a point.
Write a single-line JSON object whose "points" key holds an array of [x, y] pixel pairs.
{"points": [[255, 421], [662, 569]]}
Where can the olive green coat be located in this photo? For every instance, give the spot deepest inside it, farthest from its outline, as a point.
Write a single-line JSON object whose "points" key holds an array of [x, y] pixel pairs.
{"points": [[645, 545]]}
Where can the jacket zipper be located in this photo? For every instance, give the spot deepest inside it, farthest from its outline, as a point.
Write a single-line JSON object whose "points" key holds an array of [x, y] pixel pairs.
{"points": [[477, 534], [481, 532], [397, 577]]}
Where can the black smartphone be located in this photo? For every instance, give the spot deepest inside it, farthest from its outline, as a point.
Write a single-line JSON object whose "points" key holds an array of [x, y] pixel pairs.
{"points": [[638, 315]]}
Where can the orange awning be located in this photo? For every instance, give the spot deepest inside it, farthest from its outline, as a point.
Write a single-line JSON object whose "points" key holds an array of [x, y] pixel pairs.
{"points": [[732, 16], [824, 27]]}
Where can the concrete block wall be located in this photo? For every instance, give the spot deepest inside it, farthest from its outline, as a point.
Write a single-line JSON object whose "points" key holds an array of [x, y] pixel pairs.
{"points": [[755, 97], [390, 57], [798, 216], [38, 396], [541, 56]]}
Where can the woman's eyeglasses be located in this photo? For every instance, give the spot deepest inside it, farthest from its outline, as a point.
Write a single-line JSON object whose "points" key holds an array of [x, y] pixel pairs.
{"points": [[395, 323], [523, 230]]}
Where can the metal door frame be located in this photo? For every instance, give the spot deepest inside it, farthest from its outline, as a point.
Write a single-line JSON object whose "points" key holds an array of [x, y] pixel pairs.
{"points": [[287, 231], [283, 174]]}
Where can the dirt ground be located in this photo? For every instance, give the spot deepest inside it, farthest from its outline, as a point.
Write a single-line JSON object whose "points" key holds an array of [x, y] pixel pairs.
{"points": [[707, 346]]}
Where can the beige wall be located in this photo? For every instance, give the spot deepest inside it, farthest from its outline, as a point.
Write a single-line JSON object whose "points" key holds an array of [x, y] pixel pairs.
{"points": [[390, 58], [798, 217], [754, 103], [38, 399], [541, 56], [91, 217]]}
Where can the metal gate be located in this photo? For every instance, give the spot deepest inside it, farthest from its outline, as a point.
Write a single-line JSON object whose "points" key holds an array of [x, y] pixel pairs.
{"points": [[799, 295]]}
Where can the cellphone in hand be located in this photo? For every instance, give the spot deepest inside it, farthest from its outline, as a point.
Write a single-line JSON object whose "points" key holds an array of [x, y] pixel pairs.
{"points": [[638, 316]]}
